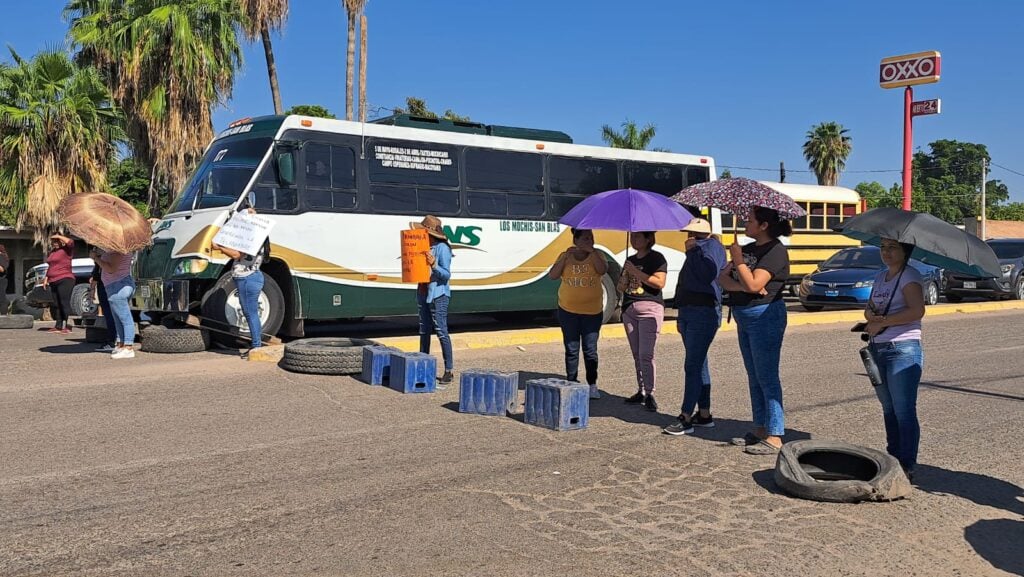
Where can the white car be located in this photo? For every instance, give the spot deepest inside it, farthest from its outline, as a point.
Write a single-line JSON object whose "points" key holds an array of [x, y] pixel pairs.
{"points": [[81, 301]]}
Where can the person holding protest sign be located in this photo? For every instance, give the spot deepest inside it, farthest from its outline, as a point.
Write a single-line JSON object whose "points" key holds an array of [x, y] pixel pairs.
{"points": [[432, 297], [249, 279]]}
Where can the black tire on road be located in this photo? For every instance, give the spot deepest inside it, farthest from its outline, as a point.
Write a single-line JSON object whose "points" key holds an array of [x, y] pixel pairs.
{"points": [[215, 305], [81, 301], [20, 306], [161, 339], [839, 473], [325, 356], [1018, 289], [16, 321], [97, 335], [931, 294]]}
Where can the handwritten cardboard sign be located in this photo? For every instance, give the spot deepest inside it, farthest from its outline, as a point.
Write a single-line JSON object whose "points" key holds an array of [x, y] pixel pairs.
{"points": [[244, 232]]}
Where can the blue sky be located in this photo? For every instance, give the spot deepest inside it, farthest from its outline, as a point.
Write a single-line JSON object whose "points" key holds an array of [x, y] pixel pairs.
{"points": [[741, 81]]}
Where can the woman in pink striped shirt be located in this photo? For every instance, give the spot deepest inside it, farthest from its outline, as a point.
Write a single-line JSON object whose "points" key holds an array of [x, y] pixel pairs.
{"points": [[117, 278]]}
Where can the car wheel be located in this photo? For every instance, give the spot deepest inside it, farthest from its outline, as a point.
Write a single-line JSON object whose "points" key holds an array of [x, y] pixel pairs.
{"points": [[931, 294], [954, 298], [612, 311], [1018, 289], [813, 308], [82, 303]]}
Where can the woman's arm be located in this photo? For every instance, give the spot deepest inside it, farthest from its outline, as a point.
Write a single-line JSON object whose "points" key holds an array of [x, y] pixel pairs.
{"points": [[752, 281], [232, 253], [600, 264], [110, 267], [442, 267], [913, 294], [63, 239], [728, 283], [558, 267]]}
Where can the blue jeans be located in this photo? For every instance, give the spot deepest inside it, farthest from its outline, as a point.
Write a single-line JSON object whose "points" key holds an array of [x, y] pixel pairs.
{"points": [[698, 326], [760, 329], [434, 319], [900, 363], [119, 293], [108, 315], [249, 289], [577, 328]]}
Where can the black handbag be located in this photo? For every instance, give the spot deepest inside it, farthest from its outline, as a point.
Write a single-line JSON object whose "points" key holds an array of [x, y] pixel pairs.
{"points": [[870, 366], [40, 296]]}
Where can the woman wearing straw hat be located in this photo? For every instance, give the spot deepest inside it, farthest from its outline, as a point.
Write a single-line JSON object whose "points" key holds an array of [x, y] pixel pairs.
{"points": [[433, 297], [61, 280], [699, 301]]}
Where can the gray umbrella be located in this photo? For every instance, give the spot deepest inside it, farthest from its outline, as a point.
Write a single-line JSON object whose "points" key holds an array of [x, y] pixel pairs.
{"points": [[935, 241]]}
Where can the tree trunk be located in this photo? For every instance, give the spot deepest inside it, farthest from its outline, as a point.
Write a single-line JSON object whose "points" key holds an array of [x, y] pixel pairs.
{"points": [[350, 64], [154, 194], [362, 67], [268, 51]]}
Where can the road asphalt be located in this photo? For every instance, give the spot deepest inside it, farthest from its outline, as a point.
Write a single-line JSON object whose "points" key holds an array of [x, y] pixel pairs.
{"points": [[202, 464]]}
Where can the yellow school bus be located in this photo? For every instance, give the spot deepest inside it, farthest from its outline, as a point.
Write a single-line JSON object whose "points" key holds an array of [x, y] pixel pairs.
{"points": [[813, 239]]}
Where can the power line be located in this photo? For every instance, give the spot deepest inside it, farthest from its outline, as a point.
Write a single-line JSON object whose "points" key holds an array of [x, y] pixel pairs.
{"points": [[1006, 169]]}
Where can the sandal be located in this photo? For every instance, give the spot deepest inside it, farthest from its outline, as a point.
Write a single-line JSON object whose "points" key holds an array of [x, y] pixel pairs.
{"points": [[762, 448], [746, 440]]}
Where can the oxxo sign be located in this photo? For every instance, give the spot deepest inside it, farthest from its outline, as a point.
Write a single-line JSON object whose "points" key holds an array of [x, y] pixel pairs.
{"points": [[910, 69]]}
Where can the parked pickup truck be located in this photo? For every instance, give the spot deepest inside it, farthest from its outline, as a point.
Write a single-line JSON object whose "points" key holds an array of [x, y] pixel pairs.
{"points": [[81, 299]]}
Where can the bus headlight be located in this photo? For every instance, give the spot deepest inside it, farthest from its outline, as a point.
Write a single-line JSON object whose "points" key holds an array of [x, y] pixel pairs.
{"points": [[191, 266], [864, 283]]}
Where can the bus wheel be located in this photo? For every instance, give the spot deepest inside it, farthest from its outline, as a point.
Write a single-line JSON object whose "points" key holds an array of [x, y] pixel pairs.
{"points": [[612, 312], [221, 304]]}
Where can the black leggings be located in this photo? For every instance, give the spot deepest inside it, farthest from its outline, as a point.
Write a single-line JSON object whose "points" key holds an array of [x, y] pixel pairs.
{"points": [[61, 308]]}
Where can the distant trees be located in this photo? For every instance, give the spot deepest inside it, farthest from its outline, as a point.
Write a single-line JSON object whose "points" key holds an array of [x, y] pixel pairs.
{"points": [[632, 136], [418, 107], [314, 110]]}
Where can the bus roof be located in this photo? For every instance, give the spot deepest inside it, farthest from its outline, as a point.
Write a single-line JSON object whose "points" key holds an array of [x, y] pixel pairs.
{"points": [[368, 129], [445, 124], [815, 192]]}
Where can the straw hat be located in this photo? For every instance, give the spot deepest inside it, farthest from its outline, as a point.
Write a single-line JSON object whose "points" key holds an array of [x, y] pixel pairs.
{"points": [[698, 225], [432, 225]]}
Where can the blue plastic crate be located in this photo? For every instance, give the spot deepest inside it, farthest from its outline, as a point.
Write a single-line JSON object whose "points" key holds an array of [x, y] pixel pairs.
{"points": [[557, 404], [483, 392], [413, 372], [376, 364]]}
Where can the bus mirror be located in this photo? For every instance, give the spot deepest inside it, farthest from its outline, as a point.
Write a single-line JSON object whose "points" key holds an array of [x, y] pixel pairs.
{"points": [[285, 160]]}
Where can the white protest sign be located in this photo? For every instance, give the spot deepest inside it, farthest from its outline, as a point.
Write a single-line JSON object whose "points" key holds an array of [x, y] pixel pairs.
{"points": [[244, 232]]}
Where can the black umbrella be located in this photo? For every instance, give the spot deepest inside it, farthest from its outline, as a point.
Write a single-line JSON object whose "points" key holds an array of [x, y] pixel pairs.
{"points": [[935, 241]]}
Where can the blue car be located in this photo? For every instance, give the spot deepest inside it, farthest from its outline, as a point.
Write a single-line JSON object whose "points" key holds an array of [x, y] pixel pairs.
{"points": [[845, 279]]}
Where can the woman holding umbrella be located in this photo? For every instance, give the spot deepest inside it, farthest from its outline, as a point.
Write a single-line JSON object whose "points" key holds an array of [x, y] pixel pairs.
{"points": [[755, 279], [116, 276], [894, 315], [643, 311]]}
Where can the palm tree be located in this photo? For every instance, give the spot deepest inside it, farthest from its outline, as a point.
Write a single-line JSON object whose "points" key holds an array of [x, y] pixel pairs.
{"points": [[826, 150], [167, 64], [362, 65], [262, 16], [353, 9], [58, 131], [631, 137]]}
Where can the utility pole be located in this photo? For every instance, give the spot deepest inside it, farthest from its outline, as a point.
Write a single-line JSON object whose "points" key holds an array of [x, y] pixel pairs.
{"points": [[984, 169], [782, 171]]}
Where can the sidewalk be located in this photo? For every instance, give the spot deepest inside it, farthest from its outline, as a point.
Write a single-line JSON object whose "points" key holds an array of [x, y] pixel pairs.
{"points": [[491, 339]]}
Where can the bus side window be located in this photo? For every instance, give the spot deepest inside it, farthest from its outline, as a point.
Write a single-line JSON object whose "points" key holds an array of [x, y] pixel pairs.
{"points": [[666, 179], [573, 179], [831, 215], [502, 183], [696, 175], [330, 177], [816, 216], [801, 222]]}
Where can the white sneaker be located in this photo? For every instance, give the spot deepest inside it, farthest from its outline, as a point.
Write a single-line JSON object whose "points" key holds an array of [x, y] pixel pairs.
{"points": [[124, 353], [594, 393]]}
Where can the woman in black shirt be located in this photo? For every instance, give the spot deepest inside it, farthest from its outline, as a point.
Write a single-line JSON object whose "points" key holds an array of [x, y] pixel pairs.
{"points": [[643, 311], [755, 279]]}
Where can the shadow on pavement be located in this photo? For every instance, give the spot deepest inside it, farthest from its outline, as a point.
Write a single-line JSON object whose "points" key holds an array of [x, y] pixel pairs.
{"points": [[975, 487], [946, 387], [72, 349], [998, 541], [766, 480], [610, 405]]}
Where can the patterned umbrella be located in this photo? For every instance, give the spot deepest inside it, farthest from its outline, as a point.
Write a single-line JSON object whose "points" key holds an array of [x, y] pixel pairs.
{"points": [[738, 196], [106, 221]]}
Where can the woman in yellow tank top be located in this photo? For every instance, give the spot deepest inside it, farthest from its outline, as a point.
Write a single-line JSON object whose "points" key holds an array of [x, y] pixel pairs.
{"points": [[581, 304]]}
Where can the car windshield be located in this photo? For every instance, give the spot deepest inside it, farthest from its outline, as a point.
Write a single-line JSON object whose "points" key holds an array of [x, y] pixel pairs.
{"points": [[854, 258], [225, 170], [1008, 250]]}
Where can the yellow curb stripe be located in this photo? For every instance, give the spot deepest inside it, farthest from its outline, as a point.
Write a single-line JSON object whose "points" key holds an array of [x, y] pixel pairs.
{"points": [[494, 339]]}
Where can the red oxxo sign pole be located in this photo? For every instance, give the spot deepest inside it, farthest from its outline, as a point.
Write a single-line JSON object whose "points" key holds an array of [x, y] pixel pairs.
{"points": [[909, 70]]}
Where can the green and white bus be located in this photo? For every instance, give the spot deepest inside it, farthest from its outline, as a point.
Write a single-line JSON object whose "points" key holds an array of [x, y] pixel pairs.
{"points": [[341, 191]]}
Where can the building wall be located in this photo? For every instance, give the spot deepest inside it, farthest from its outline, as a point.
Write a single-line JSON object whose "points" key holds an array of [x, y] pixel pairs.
{"points": [[995, 228]]}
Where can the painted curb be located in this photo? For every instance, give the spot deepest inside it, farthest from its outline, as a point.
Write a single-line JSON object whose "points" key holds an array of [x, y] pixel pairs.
{"points": [[547, 335]]}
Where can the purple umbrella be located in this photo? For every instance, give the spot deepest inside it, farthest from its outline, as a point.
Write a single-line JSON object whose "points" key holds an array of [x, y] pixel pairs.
{"points": [[629, 210], [738, 196]]}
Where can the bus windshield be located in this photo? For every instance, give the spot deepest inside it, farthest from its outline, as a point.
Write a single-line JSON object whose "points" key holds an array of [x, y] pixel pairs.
{"points": [[226, 168]]}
